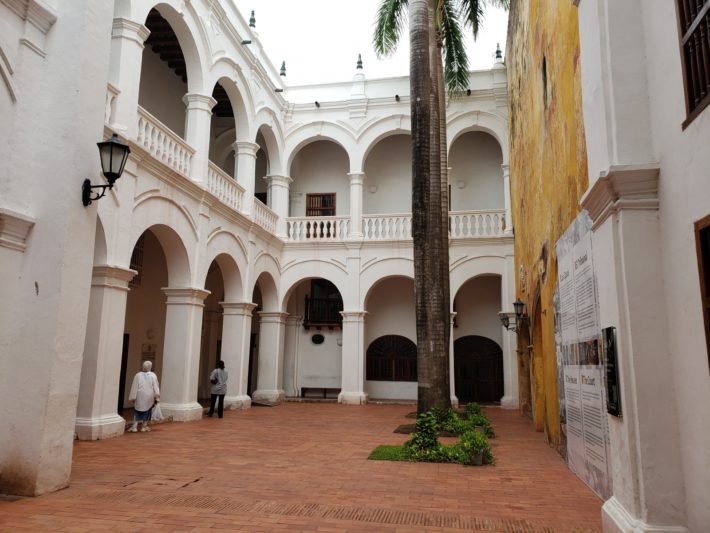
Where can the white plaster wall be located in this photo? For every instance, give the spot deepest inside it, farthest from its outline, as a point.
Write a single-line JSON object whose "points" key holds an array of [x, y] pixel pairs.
{"points": [[161, 92], [388, 168], [477, 305], [684, 198], [390, 311], [476, 176], [320, 167]]}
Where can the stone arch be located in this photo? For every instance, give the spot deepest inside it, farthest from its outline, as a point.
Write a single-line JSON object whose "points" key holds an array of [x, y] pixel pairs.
{"points": [[188, 32], [100, 245], [310, 269], [229, 75], [377, 131], [470, 268], [175, 232], [231, 277], [270, 129], [491, 123], [380, 270], [266, 275], [318, 131]]}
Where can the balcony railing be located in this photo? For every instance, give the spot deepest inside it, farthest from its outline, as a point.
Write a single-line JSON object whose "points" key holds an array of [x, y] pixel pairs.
{"points": [[318, 229], [323, 312], [469, 224], [264, 216], [163, 144], [387, 227], [224, 187]]}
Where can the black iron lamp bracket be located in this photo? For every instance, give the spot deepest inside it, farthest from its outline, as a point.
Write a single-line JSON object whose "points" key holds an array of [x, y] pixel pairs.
{"points": [[86, 197]]}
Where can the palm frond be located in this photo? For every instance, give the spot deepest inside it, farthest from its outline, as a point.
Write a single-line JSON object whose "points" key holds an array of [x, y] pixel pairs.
{"points": [[472, 12], [391, 18], [455, 57]]}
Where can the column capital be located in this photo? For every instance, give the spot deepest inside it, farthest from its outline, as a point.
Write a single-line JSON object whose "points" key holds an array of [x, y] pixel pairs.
{"points": [[124, 28], [112, 276], [197, 101], [185, 295], [272, 317], [238, 308], [506, 169], [353, 316], [357, 178], [275, 180], [246, 148], [294, 320]]}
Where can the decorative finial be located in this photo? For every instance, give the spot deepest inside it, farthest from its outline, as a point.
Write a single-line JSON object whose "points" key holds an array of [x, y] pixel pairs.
{"points": [[283, 69], [252, 20], [499, 54], [359, 62]]}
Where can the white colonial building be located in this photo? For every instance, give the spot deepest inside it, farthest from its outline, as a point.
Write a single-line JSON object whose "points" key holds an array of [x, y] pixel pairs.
{"points": [[265, 225]]}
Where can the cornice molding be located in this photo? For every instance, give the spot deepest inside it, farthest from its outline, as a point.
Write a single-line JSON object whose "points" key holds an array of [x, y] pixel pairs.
{"points": [[622, 187], [14, 229], [36, 12]]}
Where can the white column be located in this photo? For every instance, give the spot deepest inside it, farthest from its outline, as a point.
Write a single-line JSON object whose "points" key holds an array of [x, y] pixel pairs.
{"points": [[127, 42], [506, 195], [96, 416], [236, 331], [245, 163], [452, 368], [291, 345], [278, 191], [198, 121], [357, 179], [511, 395], [271, 343], [181, 353], [352, 390]]}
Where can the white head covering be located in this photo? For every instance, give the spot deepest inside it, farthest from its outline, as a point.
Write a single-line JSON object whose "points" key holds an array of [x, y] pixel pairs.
{"points": [[147, 365]]}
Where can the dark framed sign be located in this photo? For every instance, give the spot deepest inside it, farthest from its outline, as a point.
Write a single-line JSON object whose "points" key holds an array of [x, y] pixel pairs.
{"points": [[613, 390]]}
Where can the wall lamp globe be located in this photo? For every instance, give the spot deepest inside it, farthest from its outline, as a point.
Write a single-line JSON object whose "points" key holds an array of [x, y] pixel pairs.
{"points": [[514, 321], [113, 154]]}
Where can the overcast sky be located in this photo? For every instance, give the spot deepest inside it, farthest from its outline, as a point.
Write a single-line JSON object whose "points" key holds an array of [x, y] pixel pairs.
{"points": [[320, 39]]}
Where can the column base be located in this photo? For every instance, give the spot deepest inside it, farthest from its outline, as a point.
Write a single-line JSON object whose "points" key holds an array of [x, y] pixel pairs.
{"points": [[237, 402], [352, 398], [454, 402], [615, 518], [268, 396], [102, 427], [182, 412], [508, 402]]}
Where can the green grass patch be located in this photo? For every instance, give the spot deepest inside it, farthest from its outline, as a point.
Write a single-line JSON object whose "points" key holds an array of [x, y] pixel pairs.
{"points": [[390, 453]]}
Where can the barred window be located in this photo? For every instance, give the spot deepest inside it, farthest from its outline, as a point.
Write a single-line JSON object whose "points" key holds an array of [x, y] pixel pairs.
{"points": [[320, 205], [694, 28], [392, 358], [137, 262], [702, 241]]}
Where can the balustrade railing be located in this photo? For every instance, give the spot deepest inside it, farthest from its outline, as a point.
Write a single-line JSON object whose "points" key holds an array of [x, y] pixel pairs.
{"points": [[224, 187], [463, 224], [162, 143], [387, 227], [317, 229], [264, 216]]}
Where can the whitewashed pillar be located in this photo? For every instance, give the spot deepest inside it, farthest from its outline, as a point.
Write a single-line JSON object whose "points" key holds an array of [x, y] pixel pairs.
{"points": [[245, 171], [271, 347], [198, 121], [278, 191], [452, 369], [511, 394], [127, 42], [357, 179], [236, 331], [181, 353], [291, 347], [352, 390], [506, 197], [96, 413]]}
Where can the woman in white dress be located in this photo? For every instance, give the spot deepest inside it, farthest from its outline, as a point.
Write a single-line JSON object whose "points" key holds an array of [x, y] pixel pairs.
{"points": [[145, 393]]}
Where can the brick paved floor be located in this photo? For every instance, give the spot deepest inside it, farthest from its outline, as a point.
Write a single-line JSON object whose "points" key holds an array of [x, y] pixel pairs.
{"points": [[303, 467]]}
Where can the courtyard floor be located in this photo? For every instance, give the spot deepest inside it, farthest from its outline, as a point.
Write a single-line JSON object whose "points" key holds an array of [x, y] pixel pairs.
{"points": [[304, 467]]}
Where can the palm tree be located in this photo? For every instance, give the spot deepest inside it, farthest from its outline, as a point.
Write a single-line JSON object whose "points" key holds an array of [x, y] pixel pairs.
{"points": [[434, 29]]}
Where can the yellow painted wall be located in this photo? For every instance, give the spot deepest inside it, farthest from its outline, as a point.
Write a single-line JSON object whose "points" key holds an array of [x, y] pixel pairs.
{"points": [[548, 171]]}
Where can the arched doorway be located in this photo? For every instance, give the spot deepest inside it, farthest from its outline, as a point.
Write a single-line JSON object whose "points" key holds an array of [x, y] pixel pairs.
{"points": [[392, 358], [478, 369]]}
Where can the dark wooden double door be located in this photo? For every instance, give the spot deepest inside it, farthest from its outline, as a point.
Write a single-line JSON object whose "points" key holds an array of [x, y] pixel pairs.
{"points": [[478, 369]]}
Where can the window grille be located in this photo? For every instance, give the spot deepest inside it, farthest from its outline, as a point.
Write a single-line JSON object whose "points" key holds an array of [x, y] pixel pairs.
{"points": [[392, 358], [694, 28], [702, 241], [323, 306], [320, 205], [137, 262]]}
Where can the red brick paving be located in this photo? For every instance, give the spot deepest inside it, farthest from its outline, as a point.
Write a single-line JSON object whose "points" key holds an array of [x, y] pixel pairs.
{"points": [[304, 467]]}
